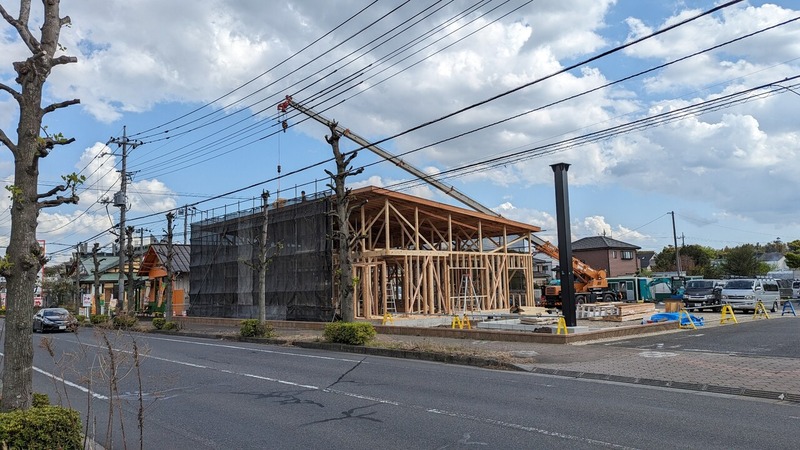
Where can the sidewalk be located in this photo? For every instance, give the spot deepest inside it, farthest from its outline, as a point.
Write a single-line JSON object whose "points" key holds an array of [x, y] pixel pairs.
{"points": [[764, 377]]}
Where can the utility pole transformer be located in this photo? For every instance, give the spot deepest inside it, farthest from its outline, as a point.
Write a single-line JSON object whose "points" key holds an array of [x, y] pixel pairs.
{"points": [[121, 201]]}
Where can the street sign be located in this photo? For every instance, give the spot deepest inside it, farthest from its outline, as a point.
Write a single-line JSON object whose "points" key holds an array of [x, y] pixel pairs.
{"points": [[87, 300]]}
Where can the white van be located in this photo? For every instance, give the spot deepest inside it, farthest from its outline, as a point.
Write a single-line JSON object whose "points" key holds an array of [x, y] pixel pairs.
{"points": [[743, 294]]}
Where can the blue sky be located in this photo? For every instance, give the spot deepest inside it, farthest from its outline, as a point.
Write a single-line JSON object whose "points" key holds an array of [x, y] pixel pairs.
{"points": [[729, 174]]}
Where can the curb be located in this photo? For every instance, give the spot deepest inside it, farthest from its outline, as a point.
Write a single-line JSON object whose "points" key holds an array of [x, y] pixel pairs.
{"points": [[743, 392], [464, 360]]}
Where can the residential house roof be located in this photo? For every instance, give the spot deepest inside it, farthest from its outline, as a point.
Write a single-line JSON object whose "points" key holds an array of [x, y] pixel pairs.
{"points": [[157, 256], [645, 256], [771, 257], [601, 242]]}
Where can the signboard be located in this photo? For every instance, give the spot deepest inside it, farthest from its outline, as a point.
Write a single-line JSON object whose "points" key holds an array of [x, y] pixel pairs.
{"points": [[37, 301], [87, 300]]}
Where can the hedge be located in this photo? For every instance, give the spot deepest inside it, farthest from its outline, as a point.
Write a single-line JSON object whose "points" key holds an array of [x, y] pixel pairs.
{"points": [[351, 333]]}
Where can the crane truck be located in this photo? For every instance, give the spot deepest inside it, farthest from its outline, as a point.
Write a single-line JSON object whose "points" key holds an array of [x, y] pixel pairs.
{"points": [[590, 284]]}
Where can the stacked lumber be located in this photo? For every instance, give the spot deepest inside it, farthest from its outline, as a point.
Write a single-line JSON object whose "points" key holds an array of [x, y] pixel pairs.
{"points": [[632, 311], [538, 320]]}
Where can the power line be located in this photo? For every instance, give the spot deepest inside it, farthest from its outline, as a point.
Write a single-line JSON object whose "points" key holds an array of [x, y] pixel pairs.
{"points": [[253, 79]]}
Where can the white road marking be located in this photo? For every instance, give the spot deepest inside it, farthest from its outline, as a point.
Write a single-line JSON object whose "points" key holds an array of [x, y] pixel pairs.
{"points": [[503, 424], [67, 382]]}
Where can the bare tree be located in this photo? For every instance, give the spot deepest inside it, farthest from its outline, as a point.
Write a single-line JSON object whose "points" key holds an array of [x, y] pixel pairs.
{"points": [[24, 256], [168, 266], [96, 273], [342, 234]]}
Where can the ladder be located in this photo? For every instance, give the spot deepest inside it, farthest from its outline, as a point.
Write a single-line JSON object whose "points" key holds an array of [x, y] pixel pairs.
{"points": [[391, 297], [467, 297]]}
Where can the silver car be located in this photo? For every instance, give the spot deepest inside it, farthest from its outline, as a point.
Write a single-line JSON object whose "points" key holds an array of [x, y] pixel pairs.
{"points": [[744, 294]]}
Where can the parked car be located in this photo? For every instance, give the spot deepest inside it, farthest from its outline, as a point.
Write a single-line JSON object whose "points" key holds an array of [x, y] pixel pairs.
{"points": [[703, 293], [743, 294], [796, 289], [785, 288], [54, 319]]}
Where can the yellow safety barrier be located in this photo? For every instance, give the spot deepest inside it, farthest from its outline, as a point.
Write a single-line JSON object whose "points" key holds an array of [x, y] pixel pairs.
{"points": [[562, 325], [690, 325], [461, 323], [760, 311], [726, 311], [387, 318]]}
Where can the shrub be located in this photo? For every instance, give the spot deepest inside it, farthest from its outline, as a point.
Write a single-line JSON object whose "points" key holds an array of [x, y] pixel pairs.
{"points": [[254, 328], [124, 322], [159, 322], [2, 311], [171, 326], [40, 399], [351, 333], [98, 319], [43, 427], [81, 319]]}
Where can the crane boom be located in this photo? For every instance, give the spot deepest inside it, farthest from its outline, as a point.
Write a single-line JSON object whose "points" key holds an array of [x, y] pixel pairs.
{"points": [[447, 189]]}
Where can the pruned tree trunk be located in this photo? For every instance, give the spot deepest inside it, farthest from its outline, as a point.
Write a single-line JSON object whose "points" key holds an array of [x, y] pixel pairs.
{"points": [[24, 257], [263, 261], [343, 236], [96, 273], [168, 267]]}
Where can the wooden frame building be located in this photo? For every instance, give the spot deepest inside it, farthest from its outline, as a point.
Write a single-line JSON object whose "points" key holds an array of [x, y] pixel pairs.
{"points": [[416, 256]]}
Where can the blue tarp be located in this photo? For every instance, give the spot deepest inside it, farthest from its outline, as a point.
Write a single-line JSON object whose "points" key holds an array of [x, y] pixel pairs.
{"points": [[673, 317]]}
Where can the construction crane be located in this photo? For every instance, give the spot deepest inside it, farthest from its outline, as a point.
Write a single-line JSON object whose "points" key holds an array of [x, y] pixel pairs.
{"points": [[447, 189], [590, 283]]}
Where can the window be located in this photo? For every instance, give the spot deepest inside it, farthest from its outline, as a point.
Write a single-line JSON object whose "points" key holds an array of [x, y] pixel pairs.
{"points": [[627, 254], [614, 254]]}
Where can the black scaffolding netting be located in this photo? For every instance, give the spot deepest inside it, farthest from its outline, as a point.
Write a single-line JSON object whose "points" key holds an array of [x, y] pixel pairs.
{"points": [[224, 277]]}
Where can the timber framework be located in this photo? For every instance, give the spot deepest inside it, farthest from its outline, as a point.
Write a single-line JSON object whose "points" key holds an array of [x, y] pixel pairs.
{"points": [[416, 256]]}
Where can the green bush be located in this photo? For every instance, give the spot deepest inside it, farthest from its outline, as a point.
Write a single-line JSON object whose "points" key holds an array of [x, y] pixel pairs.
{"points": [[254, 328], [40, 399], [171, 326], [98, 319], [81, 319], [124, 322], [351, 333], [2, 311], [159, 322], [43, 427]]}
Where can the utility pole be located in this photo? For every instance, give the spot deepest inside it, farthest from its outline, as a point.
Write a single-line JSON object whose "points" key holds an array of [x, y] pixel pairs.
{"points": [[120, 201], [185, 213], [675, 241]]}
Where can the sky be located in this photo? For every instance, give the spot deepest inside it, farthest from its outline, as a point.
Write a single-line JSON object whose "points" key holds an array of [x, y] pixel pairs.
{"points": [[699, 121]]}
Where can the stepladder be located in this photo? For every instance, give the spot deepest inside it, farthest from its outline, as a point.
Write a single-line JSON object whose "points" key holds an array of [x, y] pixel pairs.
{"points": [[467, 296]]}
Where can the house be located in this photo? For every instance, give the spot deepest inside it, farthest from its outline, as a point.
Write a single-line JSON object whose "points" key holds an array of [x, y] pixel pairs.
{"points": [[645, 259], [153, 269], [107, 266], [602, 252], [413, 256], [775, 260]]}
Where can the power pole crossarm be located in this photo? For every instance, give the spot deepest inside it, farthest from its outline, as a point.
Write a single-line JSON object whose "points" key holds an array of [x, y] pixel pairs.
{"points": [[447, 189]]}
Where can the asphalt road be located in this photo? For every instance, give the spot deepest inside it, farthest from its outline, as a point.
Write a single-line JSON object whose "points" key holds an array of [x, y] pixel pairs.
{"points": [[773, 338], [207, 394]]}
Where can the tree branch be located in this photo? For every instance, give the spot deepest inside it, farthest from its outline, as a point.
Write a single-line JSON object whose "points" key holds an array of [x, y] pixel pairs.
{"points": [[63, 59], [21, 26], [5, 140], [52, 192], [63, 104], [17, 96], [58, 201]]}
